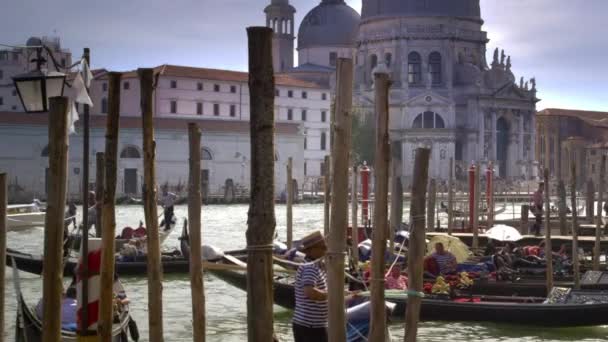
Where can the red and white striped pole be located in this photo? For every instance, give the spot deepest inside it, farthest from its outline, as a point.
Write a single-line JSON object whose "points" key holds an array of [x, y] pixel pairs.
{"points": [[94, 263], [365, 171]]}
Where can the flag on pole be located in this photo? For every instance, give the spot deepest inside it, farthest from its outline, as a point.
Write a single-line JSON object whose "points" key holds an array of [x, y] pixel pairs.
{"points": [[72, 117]]}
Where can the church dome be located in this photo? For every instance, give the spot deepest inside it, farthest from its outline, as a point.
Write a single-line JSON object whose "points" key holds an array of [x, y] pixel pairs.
{"points": [[421, 8], [34, 41], [331, 23]]}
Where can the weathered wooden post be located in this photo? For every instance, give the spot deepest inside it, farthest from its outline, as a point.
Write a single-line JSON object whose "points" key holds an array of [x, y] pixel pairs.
{"points": [[155, 272], [548, 247], [430, 207], [598, 222], [490, 195], [53, 232], [289, 203], [326, 194], [381, 168], [354, 223], [108, 233], [575, 259], [417, 245], [561, 191], [590, 199], [525, 211], [341, 127], [477, 200], [100, 176], [3, 228], [451, 197], [396, 210], [195, 201], [261, 220]]}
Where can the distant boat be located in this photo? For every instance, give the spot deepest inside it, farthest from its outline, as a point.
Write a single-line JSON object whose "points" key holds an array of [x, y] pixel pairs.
{"points": [[24, 216]]}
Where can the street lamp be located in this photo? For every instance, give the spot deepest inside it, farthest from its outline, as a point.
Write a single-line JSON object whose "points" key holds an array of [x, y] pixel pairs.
{"points": [[36, 87]]}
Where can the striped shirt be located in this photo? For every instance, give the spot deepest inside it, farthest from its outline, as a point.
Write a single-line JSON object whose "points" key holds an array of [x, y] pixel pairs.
{"points": [[308, 312], [446, 262]]}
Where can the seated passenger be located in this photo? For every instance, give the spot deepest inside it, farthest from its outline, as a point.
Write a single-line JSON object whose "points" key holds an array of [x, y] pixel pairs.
{"points": [[446, 260], [395, 280]]}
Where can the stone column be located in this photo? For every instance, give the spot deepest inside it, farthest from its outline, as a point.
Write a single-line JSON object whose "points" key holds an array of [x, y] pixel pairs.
{"points": [[494, 145], [521, 137], [533, 133], [482, 135]]}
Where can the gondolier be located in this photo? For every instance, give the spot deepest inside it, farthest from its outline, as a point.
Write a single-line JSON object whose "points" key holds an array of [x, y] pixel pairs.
{"points": [[168, 201], [537, 203]]}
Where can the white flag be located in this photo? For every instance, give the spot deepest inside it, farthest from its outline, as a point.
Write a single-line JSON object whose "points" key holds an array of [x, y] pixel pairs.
{"points": [[79, 91], [72, 117]]}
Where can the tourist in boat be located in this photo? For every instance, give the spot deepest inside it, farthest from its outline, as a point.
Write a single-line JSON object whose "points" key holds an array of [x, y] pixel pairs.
{"points": [[537, 202], [69, 306], [168, 201], [394, 280], [446, 260]]}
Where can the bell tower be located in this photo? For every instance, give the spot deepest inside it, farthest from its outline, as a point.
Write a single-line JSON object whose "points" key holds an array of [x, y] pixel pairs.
{"points": [[279, 17]]}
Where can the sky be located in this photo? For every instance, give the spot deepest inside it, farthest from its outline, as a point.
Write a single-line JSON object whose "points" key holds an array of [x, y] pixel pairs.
{"points": [[563, 43]]}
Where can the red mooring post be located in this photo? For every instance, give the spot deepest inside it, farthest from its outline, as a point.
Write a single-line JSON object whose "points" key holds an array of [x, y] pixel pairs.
{"points": [[490, 194], [471, 196], [365, 172]]}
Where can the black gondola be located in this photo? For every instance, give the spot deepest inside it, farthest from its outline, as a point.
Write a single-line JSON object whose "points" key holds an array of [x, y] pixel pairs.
{"points": [[512, 310]]}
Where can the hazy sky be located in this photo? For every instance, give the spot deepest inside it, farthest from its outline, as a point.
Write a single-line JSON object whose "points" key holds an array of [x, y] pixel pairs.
{"points": [[563, 43]]}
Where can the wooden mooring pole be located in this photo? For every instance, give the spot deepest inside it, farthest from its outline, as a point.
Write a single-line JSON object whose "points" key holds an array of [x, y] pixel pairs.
{"points": [[561, 192], [451, 198], [155, 272], [195, 202], [289, 203], [396, 210], [417, 244], [524, 226], [476, 202], [430, 207], [598, 221], [341, 127], [354, 223], [261, 221], [3, 228], [590, 199], [548, 247], [575, 259], [381, 168], [326, 194], [100, 176], [53, 232], [108, 233]]}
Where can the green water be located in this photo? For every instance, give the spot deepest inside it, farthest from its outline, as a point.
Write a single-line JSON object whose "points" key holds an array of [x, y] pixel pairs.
{"points": [[224, 227]]}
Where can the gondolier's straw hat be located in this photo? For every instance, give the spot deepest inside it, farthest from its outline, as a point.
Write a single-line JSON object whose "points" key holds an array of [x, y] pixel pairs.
{"points": [[313, 239]]}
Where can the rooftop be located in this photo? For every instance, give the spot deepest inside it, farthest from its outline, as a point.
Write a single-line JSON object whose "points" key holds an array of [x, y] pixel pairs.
{"points": [[597, 119]]}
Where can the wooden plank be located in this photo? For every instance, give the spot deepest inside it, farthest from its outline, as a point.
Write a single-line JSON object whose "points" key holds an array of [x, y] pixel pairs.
{"points": [[341, 127], [53, 232]]}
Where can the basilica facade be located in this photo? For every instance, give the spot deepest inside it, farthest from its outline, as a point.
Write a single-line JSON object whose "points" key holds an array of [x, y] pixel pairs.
{"points": [[445, 94]]}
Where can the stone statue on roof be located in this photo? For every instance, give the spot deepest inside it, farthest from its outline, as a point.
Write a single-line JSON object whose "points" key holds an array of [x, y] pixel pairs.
{"points": [[502, 58]]}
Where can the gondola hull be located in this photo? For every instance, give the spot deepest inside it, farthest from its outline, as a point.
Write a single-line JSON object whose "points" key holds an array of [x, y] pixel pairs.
{"points": [[445, 310]]}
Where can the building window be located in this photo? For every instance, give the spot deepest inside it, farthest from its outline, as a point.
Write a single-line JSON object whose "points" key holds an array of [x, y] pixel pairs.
{"points": [[290, 114], [45, 151], [303, 114], [305, 169], [14, 92], [435, 67], [290, 93], [206, 154], [233, 89], [414, 68], [173, 107], [323, 116], [126, 86], [199, 86], [373, 62], [1, 101], [305, 143], [216, 109], [388, 59], [304, 95], [323, 141], [232, 110], [277, 93], [130, 152], [333, 58], [104, 106], [324, 96], [199, 108], [216, 88], [173, 84], [104, 86], [322, 165], [63, 62], [1, 74], [428, 120]]}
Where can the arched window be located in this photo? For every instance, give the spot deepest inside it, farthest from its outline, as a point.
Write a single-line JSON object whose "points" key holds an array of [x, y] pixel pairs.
{"points": [[428, 120], [206, 154], [130, 152], [323, 141], [104, 106], [414, 68], [45, 151], [435, 67], [373, 62], [388, 59]]}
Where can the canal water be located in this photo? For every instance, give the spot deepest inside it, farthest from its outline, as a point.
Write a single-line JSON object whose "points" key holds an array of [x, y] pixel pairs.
{"points": [[224, 227]]}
